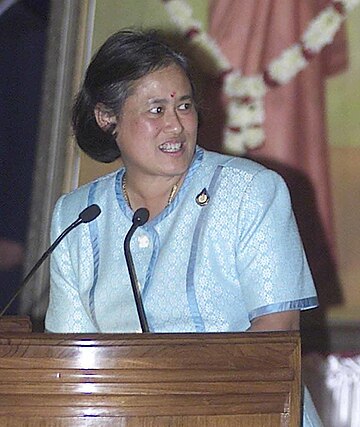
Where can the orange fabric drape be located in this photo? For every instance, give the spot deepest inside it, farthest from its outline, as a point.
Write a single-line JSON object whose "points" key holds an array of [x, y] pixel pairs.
{"points": [[251, 34]]}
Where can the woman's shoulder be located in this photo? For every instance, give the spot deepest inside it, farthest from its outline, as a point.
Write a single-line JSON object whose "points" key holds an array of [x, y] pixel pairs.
{"points": [[72, 203], [102, 181], [240, 175], [241, 166]]}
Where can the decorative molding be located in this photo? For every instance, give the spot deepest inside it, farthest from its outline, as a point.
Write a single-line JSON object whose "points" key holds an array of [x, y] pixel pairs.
{"points": [[69, 41]]}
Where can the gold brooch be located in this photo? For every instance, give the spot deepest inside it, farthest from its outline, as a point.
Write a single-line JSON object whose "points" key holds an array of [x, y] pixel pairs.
{"points": [[203, 198]]}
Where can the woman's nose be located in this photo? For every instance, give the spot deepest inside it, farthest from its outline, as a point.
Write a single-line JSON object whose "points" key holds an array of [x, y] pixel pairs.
{"points": [[173, 123]]}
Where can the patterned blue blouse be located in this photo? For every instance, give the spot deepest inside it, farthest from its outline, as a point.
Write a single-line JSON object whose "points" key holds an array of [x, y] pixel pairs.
{"points": [[201, 268]]}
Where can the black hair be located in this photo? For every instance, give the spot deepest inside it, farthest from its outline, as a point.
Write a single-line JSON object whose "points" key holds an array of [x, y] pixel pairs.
{"points": [[125, 57]]}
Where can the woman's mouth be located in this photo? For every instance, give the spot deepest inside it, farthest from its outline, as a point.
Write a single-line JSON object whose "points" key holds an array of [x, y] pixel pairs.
{"points": [[171, 147]]}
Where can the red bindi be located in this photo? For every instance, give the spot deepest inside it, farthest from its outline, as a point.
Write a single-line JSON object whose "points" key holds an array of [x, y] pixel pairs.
{"points": [[172, 94]]}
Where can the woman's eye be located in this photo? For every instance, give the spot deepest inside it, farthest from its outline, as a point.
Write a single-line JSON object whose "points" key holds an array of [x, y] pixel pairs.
{"points": [[185, 106], [156, 110]]}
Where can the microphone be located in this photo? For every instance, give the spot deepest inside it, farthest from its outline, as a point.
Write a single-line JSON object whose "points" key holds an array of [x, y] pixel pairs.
{"points": [[140, 217], [87, 215]]}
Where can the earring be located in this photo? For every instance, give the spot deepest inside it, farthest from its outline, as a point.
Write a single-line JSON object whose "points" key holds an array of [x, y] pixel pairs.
{"points": [[111, 128]]}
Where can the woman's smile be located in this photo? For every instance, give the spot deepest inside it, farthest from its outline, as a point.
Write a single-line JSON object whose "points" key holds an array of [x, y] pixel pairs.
{"points": [[171, 147]]}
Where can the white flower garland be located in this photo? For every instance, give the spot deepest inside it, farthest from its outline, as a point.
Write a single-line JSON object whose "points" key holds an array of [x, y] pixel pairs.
{"points": [[245, 109]]}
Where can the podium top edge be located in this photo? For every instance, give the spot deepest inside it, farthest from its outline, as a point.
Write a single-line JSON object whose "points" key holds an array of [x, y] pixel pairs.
{"points": [[123, 339]]}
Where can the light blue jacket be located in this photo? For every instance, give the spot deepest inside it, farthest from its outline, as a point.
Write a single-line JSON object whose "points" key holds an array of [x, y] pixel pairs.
{"points": [[201, 268]]}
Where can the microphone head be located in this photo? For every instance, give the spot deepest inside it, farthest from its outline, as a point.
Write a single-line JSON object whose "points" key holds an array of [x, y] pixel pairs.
{"points": [[90, 213], [140, 217]]}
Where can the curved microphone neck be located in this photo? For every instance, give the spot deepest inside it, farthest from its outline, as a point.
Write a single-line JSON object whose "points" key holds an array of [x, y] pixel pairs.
{"points": [[87, 215], [140, 217]]}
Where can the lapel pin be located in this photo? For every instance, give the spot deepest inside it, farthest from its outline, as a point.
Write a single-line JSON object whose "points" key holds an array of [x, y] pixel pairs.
{"points": [[203, 198]]}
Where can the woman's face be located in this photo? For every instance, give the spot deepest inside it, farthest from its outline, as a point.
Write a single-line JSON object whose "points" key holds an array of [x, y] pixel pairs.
{"points": [[157, 127]]}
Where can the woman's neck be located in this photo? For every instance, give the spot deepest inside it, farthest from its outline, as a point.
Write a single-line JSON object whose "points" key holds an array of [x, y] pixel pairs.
{"points": [[154, 195]]}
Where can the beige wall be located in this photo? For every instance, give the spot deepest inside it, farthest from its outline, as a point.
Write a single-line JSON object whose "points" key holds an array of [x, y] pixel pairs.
{"points": [[343, 109], [345, 167]]}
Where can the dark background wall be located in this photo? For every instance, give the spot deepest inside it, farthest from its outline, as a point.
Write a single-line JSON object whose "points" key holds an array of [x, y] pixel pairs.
{"points": [[23, 29]]}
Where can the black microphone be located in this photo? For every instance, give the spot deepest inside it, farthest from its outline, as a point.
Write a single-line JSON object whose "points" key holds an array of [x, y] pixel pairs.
{"points": [[140, 217], [87, 215]]}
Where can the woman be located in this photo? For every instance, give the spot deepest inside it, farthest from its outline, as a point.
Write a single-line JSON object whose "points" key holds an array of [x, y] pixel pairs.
{"points": [[220, 251]]}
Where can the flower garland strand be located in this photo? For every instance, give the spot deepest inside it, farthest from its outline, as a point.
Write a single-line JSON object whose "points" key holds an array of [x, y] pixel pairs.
{"points": [[245, 113]]}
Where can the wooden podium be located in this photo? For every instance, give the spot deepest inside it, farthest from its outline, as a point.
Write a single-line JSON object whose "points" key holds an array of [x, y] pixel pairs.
{"points": [[143, 380]]}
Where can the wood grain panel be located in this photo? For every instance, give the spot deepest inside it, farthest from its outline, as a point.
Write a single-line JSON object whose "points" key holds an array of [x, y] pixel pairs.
{"points": [[134, 379], [193, 421]]}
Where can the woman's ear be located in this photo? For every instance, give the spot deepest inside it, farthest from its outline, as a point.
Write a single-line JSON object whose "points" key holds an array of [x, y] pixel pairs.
{"points": [[104, 118]]}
